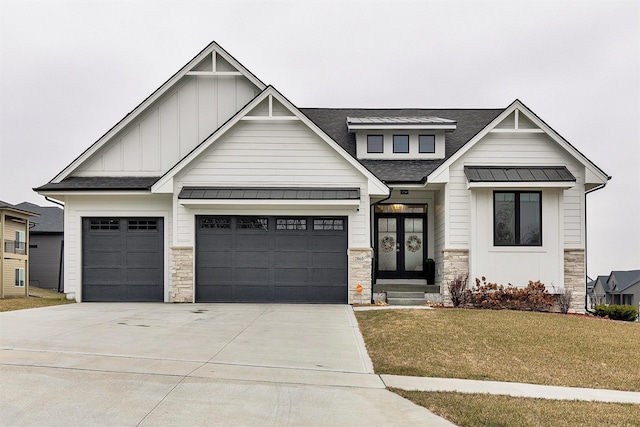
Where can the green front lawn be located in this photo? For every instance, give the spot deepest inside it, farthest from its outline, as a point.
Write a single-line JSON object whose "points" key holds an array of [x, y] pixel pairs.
{"points": [[504, 345]]}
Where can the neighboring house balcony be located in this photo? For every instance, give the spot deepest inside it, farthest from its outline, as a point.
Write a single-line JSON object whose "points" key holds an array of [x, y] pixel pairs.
{"points": [[15, 247]]}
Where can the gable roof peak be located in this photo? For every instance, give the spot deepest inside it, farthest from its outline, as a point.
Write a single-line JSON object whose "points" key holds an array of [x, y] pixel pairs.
{"points": [[198, 65]]}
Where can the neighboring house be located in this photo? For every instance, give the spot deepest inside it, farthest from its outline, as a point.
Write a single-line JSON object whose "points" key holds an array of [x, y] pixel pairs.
{"points": [[14, 251], [45, 246], [624, 287], [599, 292], [217, 188]]}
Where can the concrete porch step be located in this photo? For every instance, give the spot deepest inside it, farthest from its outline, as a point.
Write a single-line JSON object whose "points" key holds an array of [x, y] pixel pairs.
{"points": [[405, 298], [411, 295], [405, 301], [404, 287]]}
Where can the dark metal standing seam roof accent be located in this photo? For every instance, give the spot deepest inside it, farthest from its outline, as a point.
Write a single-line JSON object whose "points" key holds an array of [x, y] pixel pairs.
{"points": [[518, 174], [225, 193], [101, 183]]}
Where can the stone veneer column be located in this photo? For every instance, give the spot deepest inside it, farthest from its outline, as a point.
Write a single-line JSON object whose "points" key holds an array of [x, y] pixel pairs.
{"points": [[181, 274], [575, 277], [359, 266], [455, 262]]}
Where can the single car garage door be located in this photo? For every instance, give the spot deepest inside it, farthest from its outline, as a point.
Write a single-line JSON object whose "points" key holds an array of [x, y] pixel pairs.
{"points": [[271, 259], [122, 259]]}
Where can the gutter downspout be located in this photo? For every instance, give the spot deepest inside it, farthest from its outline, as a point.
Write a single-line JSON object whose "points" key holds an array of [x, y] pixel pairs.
{"points": [[373, 269], [586, 291]]}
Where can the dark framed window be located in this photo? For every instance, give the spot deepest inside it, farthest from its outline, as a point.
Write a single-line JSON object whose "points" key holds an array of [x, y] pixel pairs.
{"points": [[400, 143], [427, 144], [104, 224], [291, 224], [328, 224], [142, 224], [517, 218], [375, 144], [219, 223], [252, 223]]}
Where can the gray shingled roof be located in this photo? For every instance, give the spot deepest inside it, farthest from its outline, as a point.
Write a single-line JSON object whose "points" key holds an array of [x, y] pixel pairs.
{"points": [[518, 174], [7, 205], [626, 279], [333, 121], [88, 183], [270, 193], [51, 219]]}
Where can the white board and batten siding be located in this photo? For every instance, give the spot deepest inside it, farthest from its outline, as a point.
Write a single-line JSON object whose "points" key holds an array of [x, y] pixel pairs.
{"points": [[470, 220], [171, 127], [273, 154], [78, 207]]}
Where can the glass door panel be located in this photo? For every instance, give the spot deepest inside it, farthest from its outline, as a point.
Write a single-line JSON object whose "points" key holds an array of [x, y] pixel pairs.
{"points": [[387, 244], [413, 244]]}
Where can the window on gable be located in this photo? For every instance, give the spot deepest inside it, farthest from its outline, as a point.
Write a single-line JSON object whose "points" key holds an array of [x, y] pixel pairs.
{"points": [[427, 144], [375, 144], [517, 218], [400, 143]]}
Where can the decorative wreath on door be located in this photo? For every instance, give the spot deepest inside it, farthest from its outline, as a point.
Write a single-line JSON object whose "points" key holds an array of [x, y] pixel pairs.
{"points": [[388, 244], [413, 243]]}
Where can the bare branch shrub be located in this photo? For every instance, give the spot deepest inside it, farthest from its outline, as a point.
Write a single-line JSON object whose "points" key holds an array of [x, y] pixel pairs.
{"points": [[564, 300], [458, 291]]}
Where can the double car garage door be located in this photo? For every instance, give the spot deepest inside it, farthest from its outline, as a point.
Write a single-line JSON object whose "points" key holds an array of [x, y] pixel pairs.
{"points": [[248, 259]]}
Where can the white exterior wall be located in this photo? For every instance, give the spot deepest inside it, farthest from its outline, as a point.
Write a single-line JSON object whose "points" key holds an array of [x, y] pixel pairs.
{"points": [[517, 265], [439, 233], [515, 150], [469, 212], [272, 154], [77, 207], [171, 127]]}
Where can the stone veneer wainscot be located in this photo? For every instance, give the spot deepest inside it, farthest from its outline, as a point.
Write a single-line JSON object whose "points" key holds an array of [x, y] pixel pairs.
{"points": [[359, 260], [574, 278], [181, 274], [455, 262]]}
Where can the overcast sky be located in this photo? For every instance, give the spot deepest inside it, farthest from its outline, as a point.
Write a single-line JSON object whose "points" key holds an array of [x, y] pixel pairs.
{"points": [[69, 70]]}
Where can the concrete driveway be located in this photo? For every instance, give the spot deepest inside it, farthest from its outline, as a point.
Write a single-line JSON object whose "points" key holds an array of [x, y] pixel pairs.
{"points": [[192, 364]]}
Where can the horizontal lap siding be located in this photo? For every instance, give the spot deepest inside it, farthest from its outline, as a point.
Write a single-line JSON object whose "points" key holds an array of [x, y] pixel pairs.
{"points": [[281, 154], [519, 150]]}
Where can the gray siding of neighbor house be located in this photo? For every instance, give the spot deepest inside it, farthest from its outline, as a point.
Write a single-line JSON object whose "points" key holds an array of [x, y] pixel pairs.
{"points": [[44, 260]]}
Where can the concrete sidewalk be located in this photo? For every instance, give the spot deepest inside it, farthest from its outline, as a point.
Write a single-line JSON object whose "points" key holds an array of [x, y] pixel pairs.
{"points": [[510, 389]]}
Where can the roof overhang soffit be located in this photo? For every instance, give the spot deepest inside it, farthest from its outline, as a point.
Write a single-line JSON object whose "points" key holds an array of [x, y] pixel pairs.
{"points": [[270, 94], [213, 50], [593, 173]]}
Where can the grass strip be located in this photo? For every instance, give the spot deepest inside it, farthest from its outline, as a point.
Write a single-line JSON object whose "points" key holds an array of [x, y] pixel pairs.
{"points": [[475, 410], [504, 345]]}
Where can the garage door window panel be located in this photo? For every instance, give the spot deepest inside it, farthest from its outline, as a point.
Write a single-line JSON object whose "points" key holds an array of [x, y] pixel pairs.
{"points": [[253, 224]]}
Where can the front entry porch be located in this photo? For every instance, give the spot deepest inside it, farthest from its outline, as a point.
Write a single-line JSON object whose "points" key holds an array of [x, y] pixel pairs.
{"points": [[404, 274]]}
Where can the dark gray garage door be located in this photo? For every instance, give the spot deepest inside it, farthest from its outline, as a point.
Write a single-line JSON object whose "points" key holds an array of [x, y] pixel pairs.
{"points": [[283, 259], [122, 259]]}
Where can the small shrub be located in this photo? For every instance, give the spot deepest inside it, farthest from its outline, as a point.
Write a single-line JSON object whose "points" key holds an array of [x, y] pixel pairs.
{"points": [[564, 300], [490, 295], [458, 291], [617, 312]]}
